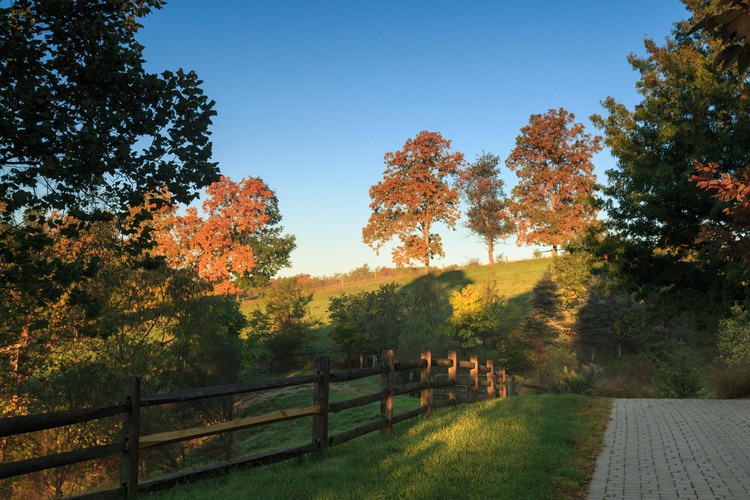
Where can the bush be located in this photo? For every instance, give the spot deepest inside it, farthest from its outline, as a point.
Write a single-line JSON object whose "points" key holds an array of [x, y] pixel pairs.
{"points": [[678, 375], [732, 382], [733, 338], [583, 379]]}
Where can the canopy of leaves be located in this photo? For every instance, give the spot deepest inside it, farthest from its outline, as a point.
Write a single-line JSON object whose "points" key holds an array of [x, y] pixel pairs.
{"points": [[554, 197], [368, 321], [238, 239], [731, 239], [284, 328], [476, 314], [733, 338], [84, 129], [488, 215], [414, 194], [732, 26], [689, 112]]}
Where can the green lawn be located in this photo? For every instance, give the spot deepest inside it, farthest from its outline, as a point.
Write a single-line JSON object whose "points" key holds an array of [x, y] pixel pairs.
{"points": [[514, 281], [521, 447]]}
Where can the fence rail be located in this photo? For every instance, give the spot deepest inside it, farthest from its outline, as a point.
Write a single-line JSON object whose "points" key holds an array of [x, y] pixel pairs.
{"points": [[481, 379]]}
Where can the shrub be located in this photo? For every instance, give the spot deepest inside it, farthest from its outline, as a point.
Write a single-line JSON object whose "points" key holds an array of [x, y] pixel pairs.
{"points": [[733, 338], [678, 375], [583, 379], [732, 382]]}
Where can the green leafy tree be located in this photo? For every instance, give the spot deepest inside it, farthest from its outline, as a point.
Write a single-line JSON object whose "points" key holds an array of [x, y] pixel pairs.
{"points": [[543, 321], [689, 112], [85, 129], [414, 194], [367, 322], [554, 197], [284, 328], [487, 216], [207, 351]]}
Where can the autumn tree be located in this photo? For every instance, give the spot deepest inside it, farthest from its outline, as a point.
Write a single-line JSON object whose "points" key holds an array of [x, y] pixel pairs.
{"points": [[415, 193], [239, 238], [731, 238], [487, 216], [554, 197]]}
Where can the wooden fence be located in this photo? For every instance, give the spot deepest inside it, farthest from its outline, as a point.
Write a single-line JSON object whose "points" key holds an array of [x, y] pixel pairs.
{"points": [[481, 378]]}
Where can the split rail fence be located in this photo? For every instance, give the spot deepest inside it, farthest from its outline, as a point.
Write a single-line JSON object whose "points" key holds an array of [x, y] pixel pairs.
{"points": [[482, 380]]}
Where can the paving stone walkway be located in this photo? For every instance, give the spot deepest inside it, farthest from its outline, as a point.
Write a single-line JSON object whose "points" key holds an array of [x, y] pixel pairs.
{"points": [[675, 448]]}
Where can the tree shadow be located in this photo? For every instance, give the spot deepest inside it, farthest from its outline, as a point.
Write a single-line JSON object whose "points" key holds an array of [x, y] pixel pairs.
{"points": [[426, 303], [515, 311]]}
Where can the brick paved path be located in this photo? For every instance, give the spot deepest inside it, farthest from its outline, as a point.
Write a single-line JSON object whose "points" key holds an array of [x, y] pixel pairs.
{"points": [[675, 448]]}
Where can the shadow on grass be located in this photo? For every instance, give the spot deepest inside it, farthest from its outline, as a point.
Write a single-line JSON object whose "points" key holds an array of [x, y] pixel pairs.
{"points": [[429, 295], [514, 312]]}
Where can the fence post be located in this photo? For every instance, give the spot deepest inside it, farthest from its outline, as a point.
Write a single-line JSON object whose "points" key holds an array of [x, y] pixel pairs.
{"points": [[131, 424], [453, 376], [320, 397], [491, 392], [502, 381], [386, 404], [474, 374], [426, 378]]}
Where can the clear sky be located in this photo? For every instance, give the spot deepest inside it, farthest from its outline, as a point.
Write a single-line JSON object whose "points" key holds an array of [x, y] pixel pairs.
{"points": [[311, 94]]}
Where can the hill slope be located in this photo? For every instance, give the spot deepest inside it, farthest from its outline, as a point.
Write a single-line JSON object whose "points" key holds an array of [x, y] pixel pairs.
{"points": [[514, 281]]}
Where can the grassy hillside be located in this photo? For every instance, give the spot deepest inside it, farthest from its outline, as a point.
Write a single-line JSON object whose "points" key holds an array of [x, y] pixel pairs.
{"points": [[514, 281], [522, 447]]}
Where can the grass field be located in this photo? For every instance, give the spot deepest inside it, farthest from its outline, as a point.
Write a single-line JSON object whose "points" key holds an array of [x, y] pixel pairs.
{"points": [[514, 282], [521, 447]]}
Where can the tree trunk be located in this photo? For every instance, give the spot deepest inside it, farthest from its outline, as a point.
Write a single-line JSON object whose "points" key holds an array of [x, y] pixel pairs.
{"points": [[491, 250], [554, 250], [426, 237]]}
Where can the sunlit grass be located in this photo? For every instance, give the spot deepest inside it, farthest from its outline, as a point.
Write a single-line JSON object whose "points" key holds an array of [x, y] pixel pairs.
{"points": [[514, 282], [522, 447]]}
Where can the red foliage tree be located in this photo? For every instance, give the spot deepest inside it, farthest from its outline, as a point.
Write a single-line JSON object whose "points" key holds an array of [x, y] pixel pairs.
{"points": [[223, 246], [732, 240], [414, 194], [554, 197]]}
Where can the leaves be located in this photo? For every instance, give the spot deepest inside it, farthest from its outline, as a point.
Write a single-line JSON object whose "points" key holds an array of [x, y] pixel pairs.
{"points": [[414, 194], [240, 226], [488, 214], [554, 198], [732, 27], [730, 239]]}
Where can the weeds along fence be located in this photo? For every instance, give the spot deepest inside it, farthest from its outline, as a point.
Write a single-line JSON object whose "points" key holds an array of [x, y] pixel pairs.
{"points": [[466, 381]]}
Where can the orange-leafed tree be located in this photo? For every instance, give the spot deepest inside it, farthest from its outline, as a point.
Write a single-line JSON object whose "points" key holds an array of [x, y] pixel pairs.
{"points": [[554, 197], [487, 216], [730, 239], [238, 240], [415, 193]]}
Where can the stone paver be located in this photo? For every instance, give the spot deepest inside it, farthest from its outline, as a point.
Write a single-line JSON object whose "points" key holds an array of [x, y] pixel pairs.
{"points": [[675, 448]]}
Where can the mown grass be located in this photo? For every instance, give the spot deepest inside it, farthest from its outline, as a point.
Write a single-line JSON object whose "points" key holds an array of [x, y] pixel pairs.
{"points": [[522, 447]]}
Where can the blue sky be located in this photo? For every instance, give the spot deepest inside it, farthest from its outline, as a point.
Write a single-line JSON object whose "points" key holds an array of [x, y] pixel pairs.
{"points": [[311, 94]]}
